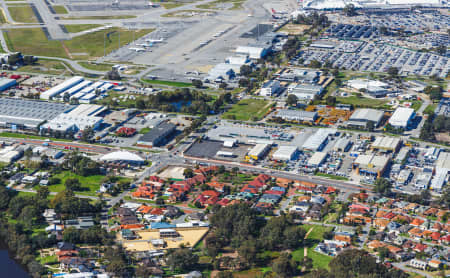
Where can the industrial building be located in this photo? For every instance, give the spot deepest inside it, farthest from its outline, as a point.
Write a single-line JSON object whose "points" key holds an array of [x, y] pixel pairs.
{"points": [[223, 71], [157, 136], [258, 152], [364, 115], [318, 140], [373, 165], [305, 92], [297, 115], [10, 154], [299, 75], [6, 83], [285, 153], [123, 157], [58, 89], [384, 143], [342, 145], [253, 52], [28, 114], [402, 154], [269, 88], [374, 88], [402, 117], [77, 119], [317, 159]]}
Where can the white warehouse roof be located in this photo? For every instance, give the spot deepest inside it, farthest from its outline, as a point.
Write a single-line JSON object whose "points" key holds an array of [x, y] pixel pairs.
{"points": [[58, 89], [121, 156], [401, 117], [284, 153]]}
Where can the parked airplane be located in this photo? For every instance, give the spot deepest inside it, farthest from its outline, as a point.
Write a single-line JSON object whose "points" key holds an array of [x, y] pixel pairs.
{"points": [[137, 49], [155, 41]]}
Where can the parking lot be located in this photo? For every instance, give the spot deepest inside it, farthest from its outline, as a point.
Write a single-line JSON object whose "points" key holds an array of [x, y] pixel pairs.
{"points": [[379, 57]]}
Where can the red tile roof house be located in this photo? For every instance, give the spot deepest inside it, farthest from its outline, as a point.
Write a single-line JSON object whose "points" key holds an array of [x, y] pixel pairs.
{"points": [[417, 222], [208, 197], [206, 170], [420, 247], [260, 181], [445, 239], [218, 186]]}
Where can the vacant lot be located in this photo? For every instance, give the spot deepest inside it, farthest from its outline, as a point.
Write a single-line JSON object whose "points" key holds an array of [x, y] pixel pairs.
{"points": [[23, 13], [75, 28], [33, 41], [60, 9], [248, 109], [361, 101]]}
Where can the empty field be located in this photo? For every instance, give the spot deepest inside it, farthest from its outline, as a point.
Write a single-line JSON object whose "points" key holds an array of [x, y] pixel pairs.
{"points": [[248, 109], [75, 28], [23, 13], [60, 9], [33, 41]]}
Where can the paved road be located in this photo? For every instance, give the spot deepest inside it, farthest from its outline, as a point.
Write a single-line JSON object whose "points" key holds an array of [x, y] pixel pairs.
{"points": [[403, 266]]}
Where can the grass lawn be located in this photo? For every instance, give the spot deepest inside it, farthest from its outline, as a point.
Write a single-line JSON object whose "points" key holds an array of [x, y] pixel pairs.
{"points": [[168, 83], [48, 259], [361, 101], [319, 260], [100, 17], [2, 17], [20, 135], [90, 184], [334, 177], [248, 109], [416, 105], [317, 232], [144, 130], [23, 13], [430, 109], [45, 66], [34, 42], [59, 9], [75, 28], [96, 66], [21, 193]]}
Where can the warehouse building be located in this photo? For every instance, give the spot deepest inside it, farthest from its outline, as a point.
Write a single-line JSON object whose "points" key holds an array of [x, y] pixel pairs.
{"points": [[402, 117], [318, 140], [258, 152], [157, 136], [270, 88], [305, 92], [297, 115], [253, 52], [6, 83], [342, 145], [364, 115], [383, 143], [123, 157], [317, 159], [373, 165], [58, 89], [374, 88], [28, 114], [10, 154], [79, 118], [402, 154], [285, 153]]}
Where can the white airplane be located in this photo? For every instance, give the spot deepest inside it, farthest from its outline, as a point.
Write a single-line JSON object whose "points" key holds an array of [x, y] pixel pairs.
{"points": [[137, 49], [155, 41], [145, 45], [153, 5]]}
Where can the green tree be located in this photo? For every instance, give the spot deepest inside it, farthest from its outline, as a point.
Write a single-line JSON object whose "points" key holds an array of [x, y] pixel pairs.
{"points": [[284, 266], [331, 100], [197, 83], [291, 100], [349, 10], [72, 184], [383, 186], [188, 173], [182, 260]]}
